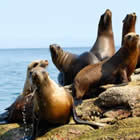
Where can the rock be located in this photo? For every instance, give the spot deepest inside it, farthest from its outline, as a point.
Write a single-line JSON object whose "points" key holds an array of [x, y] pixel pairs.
{"points": [[135, 77], [122, 130], [137, 71], [126, 129], [128, 96]]}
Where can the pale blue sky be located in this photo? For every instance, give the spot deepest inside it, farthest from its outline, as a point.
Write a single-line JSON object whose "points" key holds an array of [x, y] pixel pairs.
{"points": [[70, 23]]}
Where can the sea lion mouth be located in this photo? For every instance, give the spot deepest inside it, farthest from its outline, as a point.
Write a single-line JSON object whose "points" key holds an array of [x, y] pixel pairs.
{"points": [[38, 76]]}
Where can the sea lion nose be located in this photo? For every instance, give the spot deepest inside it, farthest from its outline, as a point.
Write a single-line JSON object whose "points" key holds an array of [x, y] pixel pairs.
{"points": [[108, 11]]}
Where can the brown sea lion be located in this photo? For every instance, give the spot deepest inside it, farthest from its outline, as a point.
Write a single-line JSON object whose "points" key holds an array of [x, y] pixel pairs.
{"points": [[14, 112], [112, 71], [129, 24], [52, 103], [70, 64]]}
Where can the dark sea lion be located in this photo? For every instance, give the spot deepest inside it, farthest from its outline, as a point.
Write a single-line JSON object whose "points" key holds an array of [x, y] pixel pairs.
{"points": [[70, 64], [52, 103], [14, 112], [129, 23], [112, 71]]}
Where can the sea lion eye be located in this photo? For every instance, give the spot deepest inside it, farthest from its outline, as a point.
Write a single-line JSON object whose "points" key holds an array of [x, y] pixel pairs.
{"points": [[129, 37]]}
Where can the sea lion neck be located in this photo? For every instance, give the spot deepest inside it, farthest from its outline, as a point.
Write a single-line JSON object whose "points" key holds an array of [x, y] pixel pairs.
{"points": [[63, 58]]}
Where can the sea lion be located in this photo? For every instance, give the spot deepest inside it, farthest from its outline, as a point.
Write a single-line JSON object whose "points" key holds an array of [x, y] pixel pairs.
{"points": [[70, 64], [14, 112], [52, 103], [104, 46], [129, 23], [112, 71]]}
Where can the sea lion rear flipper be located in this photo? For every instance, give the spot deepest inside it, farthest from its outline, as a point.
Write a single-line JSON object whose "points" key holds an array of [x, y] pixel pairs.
{"points": [[79, 121]]}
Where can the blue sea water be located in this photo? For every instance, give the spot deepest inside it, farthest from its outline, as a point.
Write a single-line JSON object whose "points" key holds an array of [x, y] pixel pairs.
{"points": [[13, 66]]}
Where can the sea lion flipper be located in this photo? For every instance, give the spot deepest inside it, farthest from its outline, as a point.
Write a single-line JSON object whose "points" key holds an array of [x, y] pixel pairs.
{"points": [[79, 121]]}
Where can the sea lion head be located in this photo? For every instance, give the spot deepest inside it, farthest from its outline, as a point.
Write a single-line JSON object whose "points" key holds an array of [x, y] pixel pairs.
{"points": [[39, 77], [105, 23], [131, 41], [28, 84], [37, 63], [57, 54], [129, 22]]}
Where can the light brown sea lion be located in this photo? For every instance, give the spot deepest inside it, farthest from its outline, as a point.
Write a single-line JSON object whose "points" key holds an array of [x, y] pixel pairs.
{"points": [[70, 64], [112, 71], [52, 103], [14, 112]]}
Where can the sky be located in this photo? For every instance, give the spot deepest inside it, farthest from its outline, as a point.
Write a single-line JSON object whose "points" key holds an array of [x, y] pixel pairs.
{"points": [[69, 23]]}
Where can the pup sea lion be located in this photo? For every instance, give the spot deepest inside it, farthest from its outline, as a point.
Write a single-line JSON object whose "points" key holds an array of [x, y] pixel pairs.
{"points": [[14, 112], [52, 103], [112, 71], [70, 64]]}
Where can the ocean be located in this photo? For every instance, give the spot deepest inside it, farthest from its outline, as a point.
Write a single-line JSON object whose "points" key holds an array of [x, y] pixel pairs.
{"points": [[13, 67]]}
